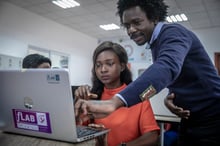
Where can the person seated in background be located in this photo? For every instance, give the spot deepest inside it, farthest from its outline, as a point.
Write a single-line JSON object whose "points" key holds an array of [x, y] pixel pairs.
{"points": [[36, 61], [134, 126], [171, 134]]}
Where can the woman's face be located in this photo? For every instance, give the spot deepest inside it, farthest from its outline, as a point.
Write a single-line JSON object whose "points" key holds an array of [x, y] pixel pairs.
{"points": [[108, 69]]}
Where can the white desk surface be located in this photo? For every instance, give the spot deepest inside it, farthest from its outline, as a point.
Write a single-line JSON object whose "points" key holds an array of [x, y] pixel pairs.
{"points": [[163, 118]]}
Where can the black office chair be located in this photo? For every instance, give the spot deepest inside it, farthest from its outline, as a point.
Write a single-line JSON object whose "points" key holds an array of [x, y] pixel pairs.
{"points": [[73, 90]]}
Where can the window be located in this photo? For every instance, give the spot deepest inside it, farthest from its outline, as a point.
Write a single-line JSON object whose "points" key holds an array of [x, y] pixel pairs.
{"points": [[10, 62]]}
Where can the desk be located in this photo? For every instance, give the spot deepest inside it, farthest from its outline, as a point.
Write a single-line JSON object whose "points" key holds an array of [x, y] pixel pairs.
{"points": [[8, 139], [161, 119]]}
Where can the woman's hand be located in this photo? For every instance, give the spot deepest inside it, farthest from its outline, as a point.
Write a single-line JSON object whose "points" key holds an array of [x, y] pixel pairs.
{"points": [[180, 112], [83, 92]]}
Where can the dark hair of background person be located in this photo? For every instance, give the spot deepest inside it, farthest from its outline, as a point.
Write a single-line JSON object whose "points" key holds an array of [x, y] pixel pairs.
{"points": [[125, 77], [154, 9], [34, 60]]}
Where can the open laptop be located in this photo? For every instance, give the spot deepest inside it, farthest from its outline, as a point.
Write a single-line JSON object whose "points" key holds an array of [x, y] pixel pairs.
{"points": [[39, 102]]}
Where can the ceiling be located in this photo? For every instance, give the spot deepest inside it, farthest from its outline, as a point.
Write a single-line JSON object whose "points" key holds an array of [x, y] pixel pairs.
{"points": [[91, 13]]}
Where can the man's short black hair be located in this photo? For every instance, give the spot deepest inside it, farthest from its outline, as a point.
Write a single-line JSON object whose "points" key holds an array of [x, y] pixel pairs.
{"points": [[34, 60], [154, 9]]}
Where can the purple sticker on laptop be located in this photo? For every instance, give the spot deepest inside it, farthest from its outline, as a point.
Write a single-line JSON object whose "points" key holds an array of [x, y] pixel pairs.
{"points": [[32, 120]]}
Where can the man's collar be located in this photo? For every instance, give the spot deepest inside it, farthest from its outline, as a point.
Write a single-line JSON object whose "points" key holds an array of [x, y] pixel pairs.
{"points": [[155, 34]]}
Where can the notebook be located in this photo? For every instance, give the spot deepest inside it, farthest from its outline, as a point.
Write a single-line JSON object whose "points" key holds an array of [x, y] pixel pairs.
{"points": [[39, 102]]}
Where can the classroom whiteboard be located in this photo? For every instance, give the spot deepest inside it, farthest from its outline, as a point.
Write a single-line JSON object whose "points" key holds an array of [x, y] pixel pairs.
{"points": [[157, 103]]}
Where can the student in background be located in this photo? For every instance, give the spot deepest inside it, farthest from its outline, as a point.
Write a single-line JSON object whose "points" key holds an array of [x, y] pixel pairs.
{"points": [[134, 126], [36, 61], [171, 134], [180, 63]]}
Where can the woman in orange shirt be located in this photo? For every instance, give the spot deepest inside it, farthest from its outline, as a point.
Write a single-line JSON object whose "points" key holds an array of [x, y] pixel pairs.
{"points": [[135, 126]]}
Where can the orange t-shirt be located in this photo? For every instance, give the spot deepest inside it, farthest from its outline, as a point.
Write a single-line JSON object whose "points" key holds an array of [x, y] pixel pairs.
{"points": [[127, 124]]}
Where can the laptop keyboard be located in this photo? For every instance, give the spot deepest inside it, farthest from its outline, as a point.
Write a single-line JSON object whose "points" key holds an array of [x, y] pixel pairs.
{"points": [[83, 131]]}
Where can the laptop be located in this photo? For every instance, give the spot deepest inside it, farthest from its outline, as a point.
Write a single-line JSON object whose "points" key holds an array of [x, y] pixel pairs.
{"points": [[39, 102]]}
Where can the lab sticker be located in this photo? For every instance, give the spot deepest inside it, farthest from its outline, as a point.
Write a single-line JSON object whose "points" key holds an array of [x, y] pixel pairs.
{"points": [[32, 120], [149, 92]]}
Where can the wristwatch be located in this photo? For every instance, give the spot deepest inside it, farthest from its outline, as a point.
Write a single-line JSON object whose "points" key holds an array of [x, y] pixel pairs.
{"points": [[123, 144]]}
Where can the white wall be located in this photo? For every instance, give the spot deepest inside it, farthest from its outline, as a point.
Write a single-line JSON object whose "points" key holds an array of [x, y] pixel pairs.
{"points": [[210, 39], [20, 28]]}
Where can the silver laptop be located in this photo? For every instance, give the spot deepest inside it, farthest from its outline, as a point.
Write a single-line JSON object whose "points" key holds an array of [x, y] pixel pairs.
{"points": [[39, 102]]}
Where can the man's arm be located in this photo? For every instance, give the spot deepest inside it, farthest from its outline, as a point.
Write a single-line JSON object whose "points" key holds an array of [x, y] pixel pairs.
{"points": [[98, 108]]}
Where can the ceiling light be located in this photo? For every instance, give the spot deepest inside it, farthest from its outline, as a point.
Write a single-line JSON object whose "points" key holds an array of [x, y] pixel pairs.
{"points": [[109, 26], [173, 18], [66, 3], [183, 16], [177, 18], [169, 19]]}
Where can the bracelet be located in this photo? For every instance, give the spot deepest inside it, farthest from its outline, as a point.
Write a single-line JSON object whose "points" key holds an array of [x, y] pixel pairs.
{"points": [[123, 144]]}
